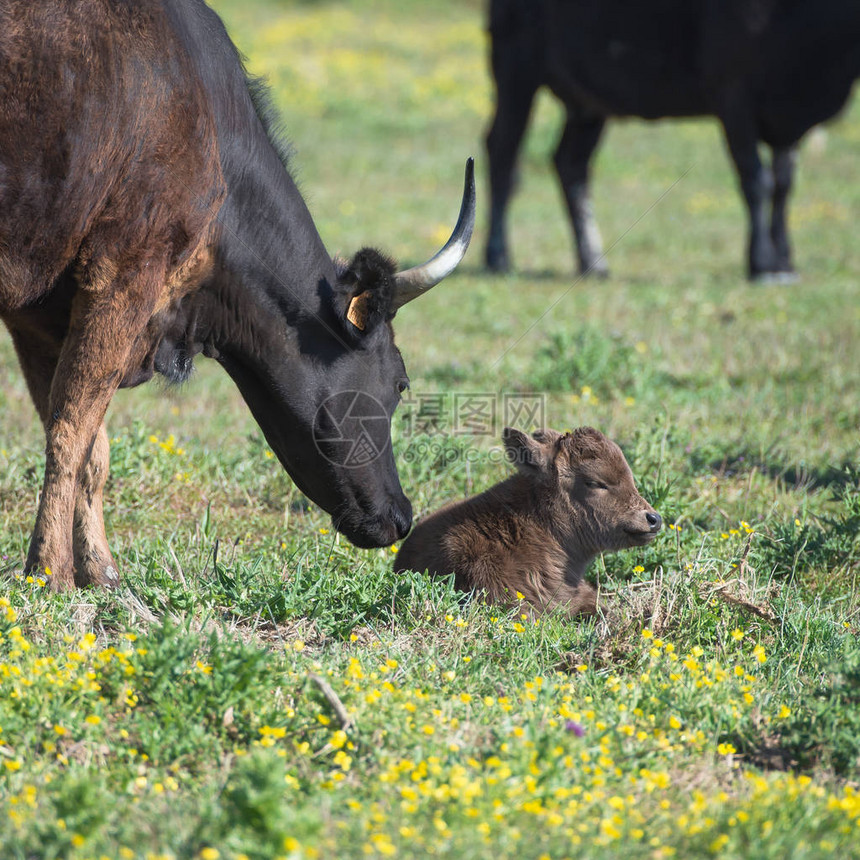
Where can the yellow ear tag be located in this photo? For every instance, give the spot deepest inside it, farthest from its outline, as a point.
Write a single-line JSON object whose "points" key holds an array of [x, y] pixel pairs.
{"points": [[357, 311]]}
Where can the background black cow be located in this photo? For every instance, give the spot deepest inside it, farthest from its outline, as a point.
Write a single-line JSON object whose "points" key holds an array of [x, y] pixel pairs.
{"points": [[767, 69]]}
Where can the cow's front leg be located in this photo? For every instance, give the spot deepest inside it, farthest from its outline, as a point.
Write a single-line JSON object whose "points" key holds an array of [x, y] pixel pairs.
{"points": [[38, 355], [783, 174], [102, 331], [756, 181], [94, 564], [577, 144], [517, 69]]}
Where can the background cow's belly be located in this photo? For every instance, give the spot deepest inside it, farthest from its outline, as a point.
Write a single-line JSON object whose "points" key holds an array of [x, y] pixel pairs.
{"points": [[625, 58]]}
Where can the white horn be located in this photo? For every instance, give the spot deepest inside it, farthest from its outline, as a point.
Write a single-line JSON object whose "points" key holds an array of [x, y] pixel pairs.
{"points": [[415, 281]]}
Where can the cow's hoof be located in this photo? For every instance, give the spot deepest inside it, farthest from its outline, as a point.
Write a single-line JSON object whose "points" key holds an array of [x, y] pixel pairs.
{"points": [[96, 575], [95, 566], [782, 279], [61, 581], [107, 577], [598, 270], [58, 576], [498, 262]]}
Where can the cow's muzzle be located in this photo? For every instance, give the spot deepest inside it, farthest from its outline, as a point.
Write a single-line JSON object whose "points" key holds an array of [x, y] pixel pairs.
{"points": [[377, 530]]}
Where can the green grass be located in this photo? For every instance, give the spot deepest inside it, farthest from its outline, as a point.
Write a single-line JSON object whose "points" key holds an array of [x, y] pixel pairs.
{"points": [[713, 711]]}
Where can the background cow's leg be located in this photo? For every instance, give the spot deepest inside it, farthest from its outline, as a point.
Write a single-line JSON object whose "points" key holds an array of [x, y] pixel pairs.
{"points": [[784, 159], [101, 335], [757, 185], [578, 142], [517, 72]]}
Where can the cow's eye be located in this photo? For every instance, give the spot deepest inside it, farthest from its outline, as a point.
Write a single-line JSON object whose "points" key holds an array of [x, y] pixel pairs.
{"points": [[402, 385], [596, 485]]}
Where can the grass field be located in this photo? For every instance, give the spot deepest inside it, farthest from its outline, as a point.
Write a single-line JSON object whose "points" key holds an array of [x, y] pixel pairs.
{"points": [[259, 688]]}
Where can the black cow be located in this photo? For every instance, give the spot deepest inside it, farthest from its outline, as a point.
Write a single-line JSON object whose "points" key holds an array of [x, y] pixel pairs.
{"points": [[767, 69], [147, 215]]}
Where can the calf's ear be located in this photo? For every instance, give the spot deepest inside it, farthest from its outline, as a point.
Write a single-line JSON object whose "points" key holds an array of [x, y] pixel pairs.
{"points": [[365, 291], [532, 455], [586, 443]]}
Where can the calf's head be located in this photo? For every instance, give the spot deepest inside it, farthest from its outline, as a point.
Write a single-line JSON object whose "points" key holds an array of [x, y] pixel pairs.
{"points": [[584, 488]]}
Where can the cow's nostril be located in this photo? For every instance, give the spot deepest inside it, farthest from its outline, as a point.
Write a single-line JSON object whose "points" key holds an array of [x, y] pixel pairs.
{"points": [[402, 515], [654, 520]]}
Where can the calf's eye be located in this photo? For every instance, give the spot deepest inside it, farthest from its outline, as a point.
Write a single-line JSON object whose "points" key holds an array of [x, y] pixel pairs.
{"points": [[402, 385]]}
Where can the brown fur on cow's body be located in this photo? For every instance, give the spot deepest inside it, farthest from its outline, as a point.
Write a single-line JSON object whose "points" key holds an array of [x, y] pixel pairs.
{"points": [[536, 533], [125, 239], [147, 215]]}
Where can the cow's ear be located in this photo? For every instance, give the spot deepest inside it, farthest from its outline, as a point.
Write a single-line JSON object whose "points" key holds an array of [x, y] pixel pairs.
{"points": [[366, 287], [532, 455]]}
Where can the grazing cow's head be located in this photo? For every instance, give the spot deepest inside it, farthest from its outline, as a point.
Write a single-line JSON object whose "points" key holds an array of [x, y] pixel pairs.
{"points": [[583, 478], [325, 399]]}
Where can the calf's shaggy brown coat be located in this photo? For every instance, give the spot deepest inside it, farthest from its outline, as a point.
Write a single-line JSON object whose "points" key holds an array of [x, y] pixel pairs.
{"points": [[573, 497]]}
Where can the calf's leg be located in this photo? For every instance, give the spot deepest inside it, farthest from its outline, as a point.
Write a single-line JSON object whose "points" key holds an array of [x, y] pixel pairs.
{"points": [[578, 142]]}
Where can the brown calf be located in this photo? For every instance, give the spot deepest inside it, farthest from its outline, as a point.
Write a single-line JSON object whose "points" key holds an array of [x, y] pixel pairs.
{"points": [[536, 533]]}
